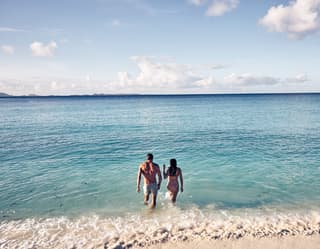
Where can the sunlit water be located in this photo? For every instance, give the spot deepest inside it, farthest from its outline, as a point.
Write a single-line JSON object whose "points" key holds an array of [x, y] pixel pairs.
{"points": [[74, 158]]}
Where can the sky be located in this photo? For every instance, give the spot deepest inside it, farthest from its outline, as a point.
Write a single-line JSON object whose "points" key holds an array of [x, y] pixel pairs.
{"points": [[65, 47]]}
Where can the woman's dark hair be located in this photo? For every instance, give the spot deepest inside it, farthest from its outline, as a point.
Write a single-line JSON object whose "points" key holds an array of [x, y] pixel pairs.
{"points": [[173, 167]]}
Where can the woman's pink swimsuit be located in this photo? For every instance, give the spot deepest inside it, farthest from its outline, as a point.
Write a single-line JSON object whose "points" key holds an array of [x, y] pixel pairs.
{"points": [[173, 184]]}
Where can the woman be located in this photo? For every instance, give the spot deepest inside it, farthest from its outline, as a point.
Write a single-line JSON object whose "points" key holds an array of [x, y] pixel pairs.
{"points": [[173, 172]]}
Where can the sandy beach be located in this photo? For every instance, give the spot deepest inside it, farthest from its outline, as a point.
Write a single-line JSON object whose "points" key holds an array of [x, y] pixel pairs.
{"points": [[290, 242]]}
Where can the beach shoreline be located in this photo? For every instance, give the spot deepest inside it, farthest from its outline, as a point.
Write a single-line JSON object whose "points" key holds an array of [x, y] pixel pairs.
{"points": [[284, 242], [185, 229]]}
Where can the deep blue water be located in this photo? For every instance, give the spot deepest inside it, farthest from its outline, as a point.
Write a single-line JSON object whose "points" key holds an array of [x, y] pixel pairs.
{"points": [[78, 155]]}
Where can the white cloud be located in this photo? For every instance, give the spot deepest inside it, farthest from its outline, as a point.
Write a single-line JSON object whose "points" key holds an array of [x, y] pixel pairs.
{"points": [[7, 49], [154, 75], [300, 78], [7, 29], [217, 7], [298, 19], [220, 7], [53, 85], [197, 2], [250, 80], [217, 66], [40, 49], [169, 75]]}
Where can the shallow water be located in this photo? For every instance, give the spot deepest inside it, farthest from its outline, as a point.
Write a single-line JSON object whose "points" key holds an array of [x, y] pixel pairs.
{"points": [[67, 158]]}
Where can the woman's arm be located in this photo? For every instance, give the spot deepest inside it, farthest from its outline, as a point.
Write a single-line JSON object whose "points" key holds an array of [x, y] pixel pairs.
{"points": [[181, 180], [165, 172]]}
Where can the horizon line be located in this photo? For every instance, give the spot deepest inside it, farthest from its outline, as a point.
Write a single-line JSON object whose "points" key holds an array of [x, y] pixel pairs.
{"points": [[149, 94]]}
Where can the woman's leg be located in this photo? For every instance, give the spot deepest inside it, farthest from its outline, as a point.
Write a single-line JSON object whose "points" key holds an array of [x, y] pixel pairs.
{"points": [[174, 196]]}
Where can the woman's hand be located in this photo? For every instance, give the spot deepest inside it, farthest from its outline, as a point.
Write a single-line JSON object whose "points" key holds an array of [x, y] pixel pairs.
{"points": [[165, 175]]}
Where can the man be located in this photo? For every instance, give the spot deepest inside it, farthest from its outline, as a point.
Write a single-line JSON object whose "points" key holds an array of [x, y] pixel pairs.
{"points": [[149, 170]]}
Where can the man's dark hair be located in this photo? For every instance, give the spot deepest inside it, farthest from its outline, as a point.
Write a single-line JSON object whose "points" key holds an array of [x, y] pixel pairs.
{"points": [[150, 156]]}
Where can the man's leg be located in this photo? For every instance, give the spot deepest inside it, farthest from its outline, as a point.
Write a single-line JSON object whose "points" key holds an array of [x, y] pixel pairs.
{"points": [[154, 192], [146, 192], [146, 198], [154, 200]]}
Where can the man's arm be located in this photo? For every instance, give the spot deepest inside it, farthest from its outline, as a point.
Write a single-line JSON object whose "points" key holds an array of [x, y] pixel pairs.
{"points": [[138, 179], [159, 177]]}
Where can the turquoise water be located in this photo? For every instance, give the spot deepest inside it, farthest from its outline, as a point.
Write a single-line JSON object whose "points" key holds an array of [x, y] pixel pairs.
{"points": [[78, 156]]}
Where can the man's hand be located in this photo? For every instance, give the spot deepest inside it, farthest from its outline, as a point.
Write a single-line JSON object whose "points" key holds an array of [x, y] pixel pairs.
{"points": [[138, 189], [181, 189], [164, 167], [158, 186]]}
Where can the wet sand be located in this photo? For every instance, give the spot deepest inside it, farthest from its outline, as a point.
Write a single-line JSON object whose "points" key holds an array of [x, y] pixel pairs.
{"points": [[290, 242]]}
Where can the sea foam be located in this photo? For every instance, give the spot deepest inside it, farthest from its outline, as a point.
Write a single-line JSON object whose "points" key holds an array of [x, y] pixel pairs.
{"points": [[153, 227]]}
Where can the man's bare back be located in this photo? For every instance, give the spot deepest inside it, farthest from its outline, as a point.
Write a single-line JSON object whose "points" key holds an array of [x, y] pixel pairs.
{"points": [[149, 170]]}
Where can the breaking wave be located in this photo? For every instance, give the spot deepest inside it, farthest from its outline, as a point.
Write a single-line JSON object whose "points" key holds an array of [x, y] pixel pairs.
{"points": [[151, 227]]}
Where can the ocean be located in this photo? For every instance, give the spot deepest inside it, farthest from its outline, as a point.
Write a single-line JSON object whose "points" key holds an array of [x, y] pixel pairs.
{"points": [[251, 165]]}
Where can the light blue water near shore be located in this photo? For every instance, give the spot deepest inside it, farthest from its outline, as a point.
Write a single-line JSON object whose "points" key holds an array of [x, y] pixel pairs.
{"points": [[78, 156]]}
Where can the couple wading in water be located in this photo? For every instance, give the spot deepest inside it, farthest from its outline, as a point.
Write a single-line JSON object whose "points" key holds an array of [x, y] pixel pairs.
{"points": [[150, 171]]}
